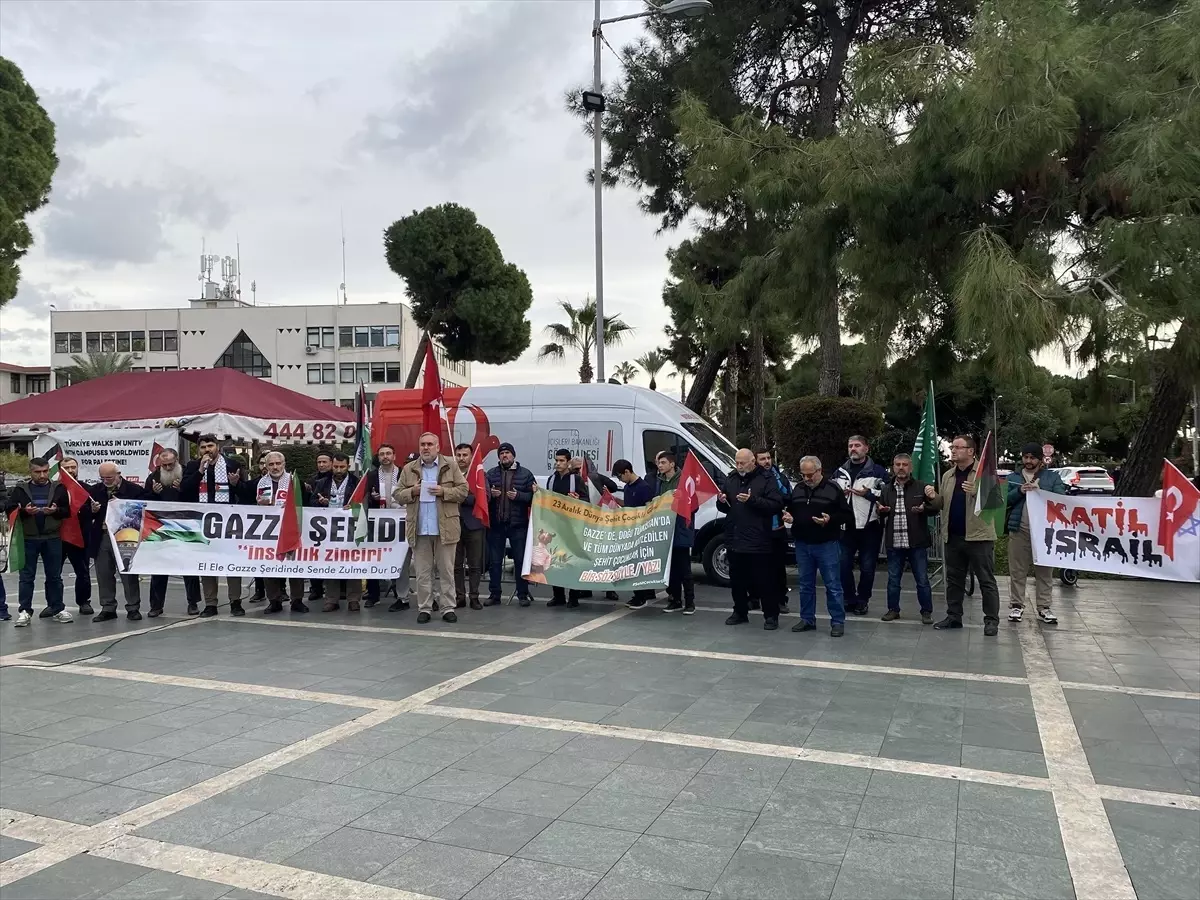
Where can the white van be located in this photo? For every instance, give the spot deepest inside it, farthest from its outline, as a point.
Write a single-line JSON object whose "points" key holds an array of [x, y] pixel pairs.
{"points": [[604, 422]]}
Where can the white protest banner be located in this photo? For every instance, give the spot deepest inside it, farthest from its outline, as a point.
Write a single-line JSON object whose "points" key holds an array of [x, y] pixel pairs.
{"points": [[1117, 535], [152, 537], [134, 450]]}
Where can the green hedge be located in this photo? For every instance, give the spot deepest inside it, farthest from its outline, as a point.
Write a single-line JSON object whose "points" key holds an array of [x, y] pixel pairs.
{"points": [[820, 426]]}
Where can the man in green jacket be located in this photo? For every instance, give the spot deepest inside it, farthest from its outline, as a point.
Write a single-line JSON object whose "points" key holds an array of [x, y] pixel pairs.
{"points": [[969, 539], [1034, 476]]}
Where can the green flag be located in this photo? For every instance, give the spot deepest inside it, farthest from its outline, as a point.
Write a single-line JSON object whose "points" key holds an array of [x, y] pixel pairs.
{"points": [[16, 542], [926, 457], [989, 499]]}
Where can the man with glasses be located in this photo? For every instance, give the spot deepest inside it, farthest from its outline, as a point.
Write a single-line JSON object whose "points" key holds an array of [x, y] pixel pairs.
{"points": [[817, 512], [969, 538], [750, 499], [112, 487]]}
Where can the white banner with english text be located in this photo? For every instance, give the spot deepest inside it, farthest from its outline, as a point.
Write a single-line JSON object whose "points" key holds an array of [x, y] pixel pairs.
{"points": [[1116, 535], [134, 450], [152, 537]]}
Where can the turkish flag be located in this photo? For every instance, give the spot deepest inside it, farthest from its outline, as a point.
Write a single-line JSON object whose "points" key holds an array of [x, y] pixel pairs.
{"points": [[158, 448], [70, 531], [696, 488], [477, 485], [432, 399], [1179, 501], [608, 501]]}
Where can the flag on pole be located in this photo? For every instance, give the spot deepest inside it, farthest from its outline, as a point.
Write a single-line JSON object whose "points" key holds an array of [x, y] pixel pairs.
{"points": [[989, 499], [926, 456], [54, 456], [358, 508], [362, 431], [608, 501], [432, 400], [70, 531], [1179, 501], [293, 511], [591, 495], [696, 488], [477, 485], [16, 542]]}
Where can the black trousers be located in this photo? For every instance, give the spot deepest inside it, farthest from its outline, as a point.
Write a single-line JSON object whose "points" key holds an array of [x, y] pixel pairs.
{"points": [[316, 589], [977, 556], [750, 575], [82, 566], [562, 594], [779, 561], [679, 583]]}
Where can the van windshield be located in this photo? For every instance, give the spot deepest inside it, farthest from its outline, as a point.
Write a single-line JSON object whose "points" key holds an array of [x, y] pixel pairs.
{"points": [[716, 444]]}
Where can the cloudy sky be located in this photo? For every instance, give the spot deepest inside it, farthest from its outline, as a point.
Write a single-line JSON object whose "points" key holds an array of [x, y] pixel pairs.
{"points": [[191, 121]]}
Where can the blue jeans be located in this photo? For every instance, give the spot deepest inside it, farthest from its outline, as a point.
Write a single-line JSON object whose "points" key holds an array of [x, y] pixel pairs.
{"points": [[3, 600], [918, 561], [498, 536], [50, 551], [811, 558]]}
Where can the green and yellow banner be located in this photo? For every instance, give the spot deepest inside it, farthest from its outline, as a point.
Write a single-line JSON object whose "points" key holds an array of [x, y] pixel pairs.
{"points": [[574, 544]]}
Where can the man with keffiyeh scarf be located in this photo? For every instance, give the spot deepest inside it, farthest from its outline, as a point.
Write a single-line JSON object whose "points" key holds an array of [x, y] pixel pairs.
{"points": [[213, 479], [273, 491]]}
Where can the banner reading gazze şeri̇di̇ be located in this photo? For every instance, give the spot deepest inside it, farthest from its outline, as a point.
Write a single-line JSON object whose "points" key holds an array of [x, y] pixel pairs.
{"points": [[158, 538], [573, 544], [1117, 535]]}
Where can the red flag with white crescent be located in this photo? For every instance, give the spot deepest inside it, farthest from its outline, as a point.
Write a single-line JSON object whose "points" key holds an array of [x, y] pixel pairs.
{"points": [[696, 487]]}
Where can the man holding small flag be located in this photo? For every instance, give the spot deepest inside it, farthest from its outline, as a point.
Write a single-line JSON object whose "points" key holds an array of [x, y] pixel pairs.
{"points": [[693, 486], [282, 489], [74, 527], [473, 511], [339, 489], [36, 509], [972, 502]]}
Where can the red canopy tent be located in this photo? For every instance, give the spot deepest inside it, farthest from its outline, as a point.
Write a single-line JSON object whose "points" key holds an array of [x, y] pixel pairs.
{"points": [[224, 402]]}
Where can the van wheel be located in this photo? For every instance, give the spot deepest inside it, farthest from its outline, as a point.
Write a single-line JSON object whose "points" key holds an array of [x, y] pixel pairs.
{"points": [[715, 560], [1068, 577]]}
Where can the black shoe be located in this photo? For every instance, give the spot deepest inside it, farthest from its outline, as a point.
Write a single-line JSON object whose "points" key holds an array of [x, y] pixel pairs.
{"points": [[106, 615], [423, 617], [133, 616], [193, 609], [754, 604], [735, 619], [475, 604], [585, 594], [770, 624], [857, 610], [990, 629], [209, 612], [611, 595], [572, 603], [673, 606], [837, 630], [557, 601], [86, 610], [783, 608], [460, 604], [48, 613], [689, 609], [299, 607], [272, 608], [804, 626], [399, 606], [258, 598], [947, 623], [493, 601], [636, 603], [451, 617], [154, 613], [235, 608], [368, 603]]}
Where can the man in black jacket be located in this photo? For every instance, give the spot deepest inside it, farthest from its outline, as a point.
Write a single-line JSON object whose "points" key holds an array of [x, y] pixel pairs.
{"points": [[750, 500], [468, 558], [333, 490], [382, 481], [571, 484], [76, 555], [817, 513], [42, 505], [324, 461], [904, 507], [166, 483], [510, 489], [112, 487]]}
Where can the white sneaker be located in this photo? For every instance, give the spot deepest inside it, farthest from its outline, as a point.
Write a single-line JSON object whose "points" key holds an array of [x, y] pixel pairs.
{"points": [[1014, 613], [1047, 615], [23, 619], [63, 616]]}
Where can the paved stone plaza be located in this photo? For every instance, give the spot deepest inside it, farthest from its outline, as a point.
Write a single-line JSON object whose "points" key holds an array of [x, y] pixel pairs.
{"points": [[603, 753]]}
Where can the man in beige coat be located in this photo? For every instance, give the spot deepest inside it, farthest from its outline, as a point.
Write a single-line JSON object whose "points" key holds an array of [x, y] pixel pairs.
{"points": [[431, 487]]}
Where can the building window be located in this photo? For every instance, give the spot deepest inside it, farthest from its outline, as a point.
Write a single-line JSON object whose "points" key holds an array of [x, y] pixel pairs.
{"points": [[122, 341], [108, 341], [37, 384], [62, 344], [346, 375], [164, 340], [362, 336], [62, 379], [156, 343], [241, 355], [377, 373], [164, 369], [76, 341], [327, 337], [14, 383], [376, 335], [320, 373], [137, 341], [393, 373], [313, 339], [346, 404], [362, 372], [391, 335], [345, 336], [93, 342]]}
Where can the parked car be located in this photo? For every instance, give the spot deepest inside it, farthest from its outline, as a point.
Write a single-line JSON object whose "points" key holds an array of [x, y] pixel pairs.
{"points": [[1087, 480]]}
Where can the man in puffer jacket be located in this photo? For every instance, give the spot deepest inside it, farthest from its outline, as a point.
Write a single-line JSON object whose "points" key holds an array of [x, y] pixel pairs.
{"points": [[861, 480]]}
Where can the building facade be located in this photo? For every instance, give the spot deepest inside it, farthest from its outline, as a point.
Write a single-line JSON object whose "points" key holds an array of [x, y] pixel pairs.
{"points": [[322, 351], [18, 382]]}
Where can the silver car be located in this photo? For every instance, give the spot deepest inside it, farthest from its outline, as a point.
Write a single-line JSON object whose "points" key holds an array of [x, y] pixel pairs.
{"points": [[1087, 480]]}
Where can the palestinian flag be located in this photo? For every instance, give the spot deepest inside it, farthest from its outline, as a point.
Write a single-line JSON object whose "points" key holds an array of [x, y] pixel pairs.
{"points": [[362, 431], [16, 542], [293, 513], [357, 504], [172, 525], [54, 456], [70, 530], [989, 499]]}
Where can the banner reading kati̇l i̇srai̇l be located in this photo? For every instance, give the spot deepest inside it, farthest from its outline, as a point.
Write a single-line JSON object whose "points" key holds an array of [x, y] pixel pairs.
{"points": [[1117, 535], [573, 544], [153, 537]]}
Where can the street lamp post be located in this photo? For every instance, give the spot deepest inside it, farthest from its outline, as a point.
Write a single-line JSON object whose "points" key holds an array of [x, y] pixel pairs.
{"points": [[1132, 383], [593, 102], [996, 398]]}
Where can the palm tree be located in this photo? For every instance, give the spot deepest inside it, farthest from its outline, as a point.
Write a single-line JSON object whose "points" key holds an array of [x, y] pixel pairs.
{"points": [[625, 371], [653, 362], [97, 365], [579, 333]]}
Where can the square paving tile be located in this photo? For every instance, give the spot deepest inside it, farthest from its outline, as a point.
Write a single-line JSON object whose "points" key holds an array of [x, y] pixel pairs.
{"points": [[272, 838], [1160, 846], [168, 886], [681, 863], [705, 824], [201, 824], [171, 776], [439, 870], [754, 875], [519, 879], [535, 798], [460, 786], [74, 878], [408, 816], [1007, 874], [352, 853], [579, 846], [337, 804], [100, 803], [610, 809], [622, 887], [10, 847], [491, 830]]}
